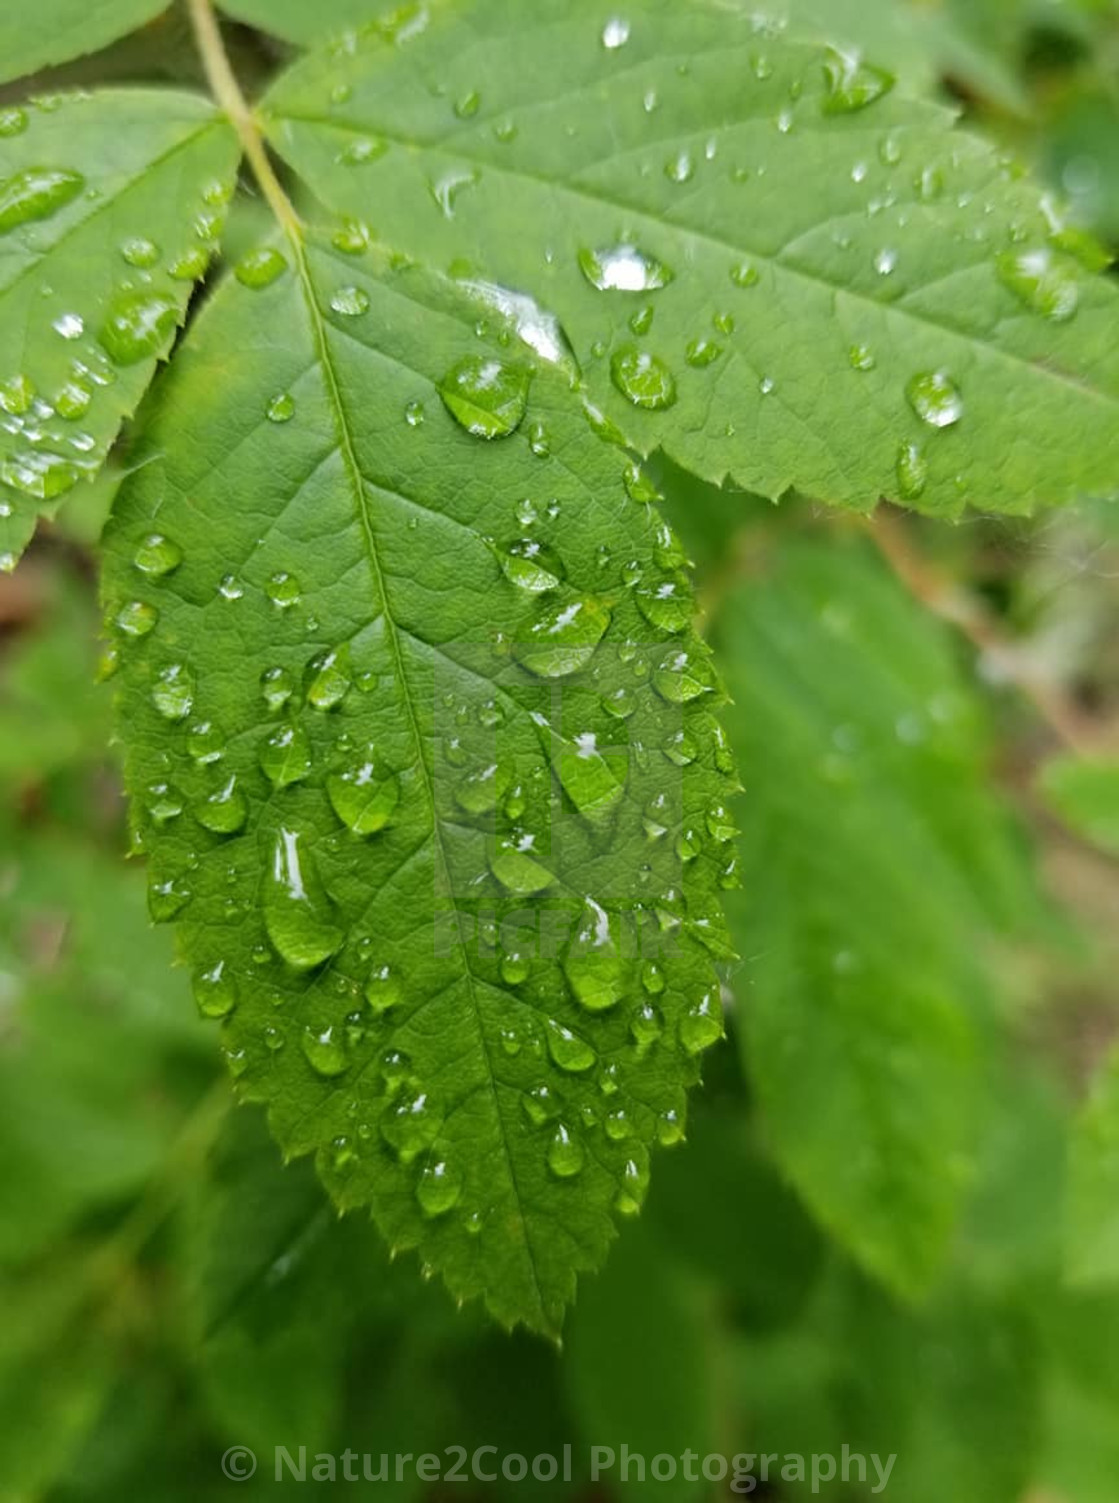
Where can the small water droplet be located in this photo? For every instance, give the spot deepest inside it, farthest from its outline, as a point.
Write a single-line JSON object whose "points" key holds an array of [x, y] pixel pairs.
{"points": [[566, 1154], [173, 691], [281, 408], [615, 33], [205, 743], [935, 398], [516, 868], [487, 397], [861, 357], [680, 168], [620, 703], [13, 120], [40, 474], [382, 989], [912, 471], [224, 812], [298, 915], [643, 378], [328, 678], [361, 151], [479, 792], [851, 83], [325, 1051], [36, 193], [682, 677], [668, 606], [568, 1050], [276, 687], [351, 237], [635, 1184], [531, 566], [439, 1188], [137, 618], [468, 105], [514, 968], [215, 991], [285, 756], [283, 590], [1042, 281], [364, 796], [414, 414], [702, 1024], [350, 302], [595, 963], [139, 251], [167, 899], [702, 352], [411, 1125]]}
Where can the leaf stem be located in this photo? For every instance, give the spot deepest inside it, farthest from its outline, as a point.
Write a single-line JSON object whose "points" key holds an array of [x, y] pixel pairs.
{"points": [[227, 93]]}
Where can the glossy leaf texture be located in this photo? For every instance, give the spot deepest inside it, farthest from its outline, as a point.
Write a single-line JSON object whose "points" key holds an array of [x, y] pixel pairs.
{"points": [[110, 205], [766, 259], [876, 867], [53, 31], [420, 743]]}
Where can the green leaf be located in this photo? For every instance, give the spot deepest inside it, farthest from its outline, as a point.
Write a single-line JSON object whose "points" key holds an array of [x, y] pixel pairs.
{"points": [[766, 260], [875, 862], [53, 31], [1092, 1240], [304, 24], [1085, 792], [475, 998], [109, 205]]}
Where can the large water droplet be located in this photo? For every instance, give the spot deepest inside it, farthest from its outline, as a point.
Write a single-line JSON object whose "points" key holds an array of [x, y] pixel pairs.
{"points": [[157, 555], [480, 791], [137, 325], [515, 866], [439, 1188], [667, 605], [935, 398], [702, 1024], [285, 756], [173, 691], [682, 677], [411, 1125], [531, 566], [623, 268], [225, 811], [566, 1155], [325, 1051], [852, 84], [364, 797], [298, 915], [615, 33], [215, 991], [350, 302], [36, 193], [642, 378], [568, 1050], [40, 474], [260, 267], [594, 783], [563, 638], [136, 618], [328, 678], [382, 989], [1042, 281], [596, 963], [487, 397]]}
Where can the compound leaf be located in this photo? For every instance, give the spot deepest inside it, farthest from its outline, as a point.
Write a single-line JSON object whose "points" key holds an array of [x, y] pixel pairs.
{"points": [[390, 673], [766, 260], [109, 205], [871, 856], [53, 31]]}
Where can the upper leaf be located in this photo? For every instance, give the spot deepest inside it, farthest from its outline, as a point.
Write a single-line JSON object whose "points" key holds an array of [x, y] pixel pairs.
{"points": [[109, 209], [421, 745], [304, 24], [873, 861], [766, 260], [53, 31]]}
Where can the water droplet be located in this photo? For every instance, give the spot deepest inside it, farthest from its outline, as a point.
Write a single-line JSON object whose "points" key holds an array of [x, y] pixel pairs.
{"points": [[743, 274], [468, 105], [298, 915], [702, 352], [682, 677], [215, 991], [688, 844], [1042, 281], [328, 678], [485, 396], [16, 395], [702, 1024], [283, 590], [647, 1026], [137, 618], [885, 262], [851, 83], [13, 121], [615, 33], [668, 605], [681, 749], [568, 1050], [445, 190], [439, 1188], [595, 962], [361, 151], [480, 791], [36, 193], [912, 470], [364, 797], [531, 566], [205, 743], [414, 414], [566, 1155], [652, 978], [935, 399], [539, 1105], [861, 357], [351, 237], [516, 868], [642, 378], [382, 990], [623, 268], [350, 302], [324, 1051], [164, 803], [635, 1184], [276, 687], [281, 408], [40, 474], [166, 899], [720, 823], [138, 325], [595, 784], [72, 401], [224, 812], [514, 968], [285, 756], [620, 703], [139, 251], [680, 168], [173, 691], [157, 555], [563, 638], [411, 1125], [190, 265]]}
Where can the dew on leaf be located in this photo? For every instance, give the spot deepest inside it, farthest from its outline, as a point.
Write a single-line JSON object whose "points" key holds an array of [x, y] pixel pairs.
{"points": [[515, 866], [72, 401], [136, 618], [281, 408], [276, 687], [13, 121], [487, 397], [851, 83], [328, 678], [539, 1105], [720, 823], [1041, 281], [623, 268], [531, 566], [595, 962], [361, 151], [138, 325], [364, 797], [688, 844], [163, 803], [205, 743], [439, 1188], [350, 302], [285, 756], [702, 352], [514, 968], [36, 193], [411, 1125], [40, 474], [620, 703], [167, 899], [682, 677], [351, 237], [652, 978], [744, 274], [283, 590], [935, 398], [382, 989], [593, 783], [635, 1184], [16, 395], [215, 991], [568, 1050], [445, 190], [261, 267], [139, 251], [479, 792], [563, 638], [615, 33], [668, 606], [680, 167], [325, 1051], [618, 1125], [298, 915], [681, 749], [173, 691], [643, 378], [861, 357], [225, 811], [414, 414], [912, 471], [702, 1024], [566, 1155], [190, 265], [885, 261]]}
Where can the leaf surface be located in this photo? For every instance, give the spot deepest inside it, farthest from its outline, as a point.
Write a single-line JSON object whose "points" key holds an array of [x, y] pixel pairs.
{"points": [[53, 31], [873, 861], [767, 260], [109, 209], [1085, 792], [420, 741], [1093, 1207]]}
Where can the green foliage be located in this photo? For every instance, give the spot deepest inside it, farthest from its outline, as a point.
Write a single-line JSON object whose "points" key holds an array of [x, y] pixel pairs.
{"points": [[51, 31], [1085, 792], [911, 322]]}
